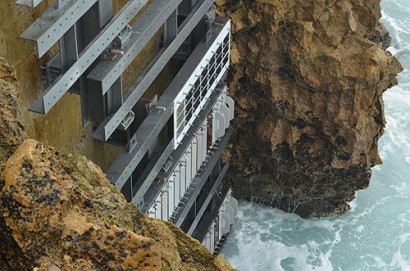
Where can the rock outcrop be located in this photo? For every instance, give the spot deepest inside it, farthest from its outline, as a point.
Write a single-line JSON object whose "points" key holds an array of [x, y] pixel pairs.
{"points": [[59, 212], [12, 132], [307, 78]]}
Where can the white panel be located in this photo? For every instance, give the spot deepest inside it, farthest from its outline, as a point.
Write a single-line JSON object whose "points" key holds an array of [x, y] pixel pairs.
{"points": [[200, 150], [152, 211], [171, 195], [158, 208], [220, 130], [205, 143], [231, 105], [215, 125], [177, 185], [224, 223], [208, 241], [194, 155], [164, 205], [219, 226], [188, 164], [212, 237], [201, 146], [231, 213], [193, 78], [183, 177], [234, 203], [179, 118], [226, 113], [220, 223], [205, 241]]}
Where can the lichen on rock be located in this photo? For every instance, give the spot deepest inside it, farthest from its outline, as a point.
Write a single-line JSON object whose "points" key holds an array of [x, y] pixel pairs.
{"points": [[307, 78], [11, 131], [59, 212]]}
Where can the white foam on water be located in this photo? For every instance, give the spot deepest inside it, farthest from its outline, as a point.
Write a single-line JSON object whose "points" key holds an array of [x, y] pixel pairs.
{"points": [[397, 134], [353, 205], [360, 228], [274, 255], [404, 217], [268, 247], [401, 258], [375, 234]]}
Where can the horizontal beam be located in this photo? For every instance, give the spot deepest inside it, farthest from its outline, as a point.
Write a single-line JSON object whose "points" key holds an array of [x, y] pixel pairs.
{"points": [[135, 92], [108, 71], [151, 194], [122, 167], [54, 23], [202, 227], [208, 199], [199, 181], [149, 174], [189, 136], [61, 85]]}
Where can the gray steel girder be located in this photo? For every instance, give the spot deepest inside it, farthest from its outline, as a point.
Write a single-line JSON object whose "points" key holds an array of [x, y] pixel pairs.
{"points": [[148, 176], [135, 92], [54, 23], [208, 199], [107, 71], [122, 167], [199, 181], [61, 85], [149, 194]]}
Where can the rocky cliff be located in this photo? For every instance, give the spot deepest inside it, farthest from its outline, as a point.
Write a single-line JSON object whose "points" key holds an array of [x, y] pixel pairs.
{"points": [[59, 212], [307, 78]]}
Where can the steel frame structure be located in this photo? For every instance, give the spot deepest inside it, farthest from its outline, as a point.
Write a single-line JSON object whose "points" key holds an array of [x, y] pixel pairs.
{"points": [[175, 177]]}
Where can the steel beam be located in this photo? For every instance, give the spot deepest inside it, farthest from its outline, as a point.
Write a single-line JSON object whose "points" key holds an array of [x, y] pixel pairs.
{"points": [[109, 125], [54, 23], [183, 146], [171, 28], [149, 195], [68, 48], [122, 167], [201, 229], [208, 199], [199, 181], [107, 71], [60, 86], [149, 174], [208, 73]]}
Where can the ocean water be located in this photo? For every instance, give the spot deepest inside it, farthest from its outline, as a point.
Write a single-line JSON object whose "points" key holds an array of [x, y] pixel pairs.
{"points": [[375, 233]]}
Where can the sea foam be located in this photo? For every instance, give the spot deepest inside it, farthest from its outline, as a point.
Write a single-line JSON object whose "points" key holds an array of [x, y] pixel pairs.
{"points": [[375, 234]]}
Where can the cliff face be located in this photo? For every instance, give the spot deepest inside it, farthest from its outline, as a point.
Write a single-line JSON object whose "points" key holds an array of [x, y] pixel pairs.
{"points": [[59, 212], [307, 78]]}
